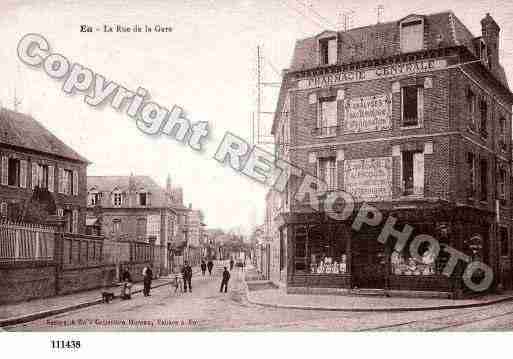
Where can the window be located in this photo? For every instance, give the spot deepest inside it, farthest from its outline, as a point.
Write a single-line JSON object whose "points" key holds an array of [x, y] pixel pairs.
{"points": [[483, 109], [68, 182], [471, 107], [3, 209], [327, 169], [95, 198], [412, 98], [327, 119], [42, 174], [117, 199], [116, 226], [413, 173], [412, 36], [141, 228], [484, 180], [142, 199], [503, 233], [14, 172], [328, 51], [501, 186], [471, 161], [503, 145]]}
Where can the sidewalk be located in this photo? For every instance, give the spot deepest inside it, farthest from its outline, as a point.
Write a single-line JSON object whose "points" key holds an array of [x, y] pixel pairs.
{"points": [[278, 298], [12, 314]]}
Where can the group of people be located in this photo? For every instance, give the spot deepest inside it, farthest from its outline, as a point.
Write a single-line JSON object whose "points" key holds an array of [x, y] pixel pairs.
{"points": [[181, 284]]}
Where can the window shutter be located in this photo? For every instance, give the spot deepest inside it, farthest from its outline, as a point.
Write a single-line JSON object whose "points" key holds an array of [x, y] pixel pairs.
{"points": [[61, 180], [332, 51], [35, 175], [5, 170], [23, 173], [3, 209], [418, 173], [50, 178], [331, 114], [75, 183], [75, 221]]}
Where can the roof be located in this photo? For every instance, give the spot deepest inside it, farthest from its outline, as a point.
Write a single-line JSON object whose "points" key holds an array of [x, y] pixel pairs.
{"points": [[21, 130], [159, 197], [382, 40]]}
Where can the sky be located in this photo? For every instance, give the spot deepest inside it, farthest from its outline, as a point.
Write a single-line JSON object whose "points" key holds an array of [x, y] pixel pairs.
{"points": [[207, 65]]}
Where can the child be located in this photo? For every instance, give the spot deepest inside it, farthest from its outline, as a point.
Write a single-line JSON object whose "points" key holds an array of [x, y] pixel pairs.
{"points": [[178, 284]]}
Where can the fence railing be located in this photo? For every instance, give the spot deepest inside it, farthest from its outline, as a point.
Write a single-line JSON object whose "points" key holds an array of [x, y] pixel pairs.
{"points": [[26, 242]]}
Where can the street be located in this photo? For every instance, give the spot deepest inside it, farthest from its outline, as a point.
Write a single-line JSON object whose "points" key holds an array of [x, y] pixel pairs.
{"points": [[208, 309]]}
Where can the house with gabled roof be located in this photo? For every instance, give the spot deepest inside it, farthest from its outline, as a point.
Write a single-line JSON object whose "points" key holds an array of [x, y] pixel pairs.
{"points": [[32, 156]]}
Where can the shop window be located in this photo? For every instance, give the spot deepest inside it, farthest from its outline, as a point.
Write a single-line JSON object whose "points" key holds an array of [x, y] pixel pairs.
{"points": [[412, 173], [471, 107], [327, 253], [327, 118], [471, 162], [412, 98], [484, 180], [412, 36], [328, 51], [300, 252], [504, 241], [327, 170], [483, 110], [14, 172], [404, 264], [282, 251]]}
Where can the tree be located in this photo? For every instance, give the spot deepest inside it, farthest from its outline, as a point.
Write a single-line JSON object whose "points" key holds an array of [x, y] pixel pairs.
{"points": [[39, 207]]}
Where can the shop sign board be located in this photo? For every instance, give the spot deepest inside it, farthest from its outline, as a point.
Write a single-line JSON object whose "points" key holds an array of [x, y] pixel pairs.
{"points": [[369, 179]]}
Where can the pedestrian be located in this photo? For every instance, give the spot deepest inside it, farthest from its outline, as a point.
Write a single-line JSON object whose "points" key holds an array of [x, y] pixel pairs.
{"points": [[231, 263], [224, 282], [126, 278], [187, 276], [210, 265], [178, 285], [147, 278], [203, 267]]}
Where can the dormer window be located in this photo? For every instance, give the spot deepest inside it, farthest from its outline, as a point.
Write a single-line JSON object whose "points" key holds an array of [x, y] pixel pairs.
{"points": [[412, 35], [94, 198], [117, 199], [143, 199], [328, 51]]}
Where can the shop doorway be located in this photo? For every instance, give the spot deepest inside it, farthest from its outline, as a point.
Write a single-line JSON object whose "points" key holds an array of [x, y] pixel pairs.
{"points": [[368, 262]]}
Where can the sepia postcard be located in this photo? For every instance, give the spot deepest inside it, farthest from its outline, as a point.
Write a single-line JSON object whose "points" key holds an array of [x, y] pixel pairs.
{"points": [[255, 166]]}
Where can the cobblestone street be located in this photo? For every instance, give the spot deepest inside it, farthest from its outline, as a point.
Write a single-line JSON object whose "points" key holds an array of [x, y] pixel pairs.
{"points": [[207, 309]]}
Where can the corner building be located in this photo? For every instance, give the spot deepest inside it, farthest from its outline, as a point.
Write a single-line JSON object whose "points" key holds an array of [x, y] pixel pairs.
{"points": [[412, 117]]}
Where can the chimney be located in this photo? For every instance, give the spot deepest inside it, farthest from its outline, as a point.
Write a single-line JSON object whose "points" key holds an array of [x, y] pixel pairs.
{"points": [[491, 31]]}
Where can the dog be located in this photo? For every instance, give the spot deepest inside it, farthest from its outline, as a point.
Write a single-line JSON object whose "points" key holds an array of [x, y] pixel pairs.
{"points": [[178, 284], [107, 297]]}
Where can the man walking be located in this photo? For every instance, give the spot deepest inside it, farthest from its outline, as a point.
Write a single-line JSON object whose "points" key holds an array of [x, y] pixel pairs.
{"points": [[224, 282], [203, 267], [187, 276], [210, 265], [147, 278], [231, 263]]}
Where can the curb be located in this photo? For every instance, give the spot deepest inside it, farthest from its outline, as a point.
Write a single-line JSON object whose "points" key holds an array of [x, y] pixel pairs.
{"points": [[48, 313], [377, 310]]}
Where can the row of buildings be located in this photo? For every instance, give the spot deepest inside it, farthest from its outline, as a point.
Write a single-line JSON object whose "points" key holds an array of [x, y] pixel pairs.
{"points": [[413, 117], [119, 208]]}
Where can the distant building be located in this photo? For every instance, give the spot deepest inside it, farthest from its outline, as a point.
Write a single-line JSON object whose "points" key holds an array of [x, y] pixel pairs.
{"points": [[134, 208], [31, 156]]}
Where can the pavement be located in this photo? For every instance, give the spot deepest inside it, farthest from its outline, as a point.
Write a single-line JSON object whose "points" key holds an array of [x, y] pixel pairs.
{"points": [[17, 313], [274, 297]]}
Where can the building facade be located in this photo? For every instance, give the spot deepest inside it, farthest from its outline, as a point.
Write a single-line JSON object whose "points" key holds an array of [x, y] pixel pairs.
{"points": [[134, 208], [413, 118], [32, 157]]}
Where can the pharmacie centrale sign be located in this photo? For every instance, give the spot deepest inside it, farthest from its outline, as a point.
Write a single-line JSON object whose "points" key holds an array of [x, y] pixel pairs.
{"points": [[392, 70]]}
